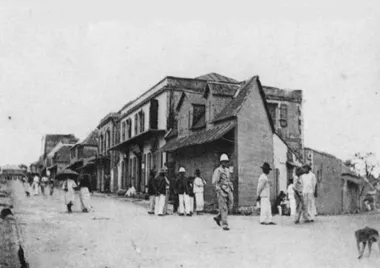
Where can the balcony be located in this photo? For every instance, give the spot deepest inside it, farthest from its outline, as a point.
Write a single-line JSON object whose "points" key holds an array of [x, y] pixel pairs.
{"points": [[138, 139]]}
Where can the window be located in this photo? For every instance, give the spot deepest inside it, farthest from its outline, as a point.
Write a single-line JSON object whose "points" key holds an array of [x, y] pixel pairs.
{"points": [[101, 143], [153, 114], [272, 107], [123, 131], [136, 124], [209, 111], [142, 121], [129, 128], [108, 141], [284, 115]]}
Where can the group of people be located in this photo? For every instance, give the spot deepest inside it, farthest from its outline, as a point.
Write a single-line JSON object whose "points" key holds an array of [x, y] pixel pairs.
{"points": [[187, 190], [69, 187], [39, 185]]}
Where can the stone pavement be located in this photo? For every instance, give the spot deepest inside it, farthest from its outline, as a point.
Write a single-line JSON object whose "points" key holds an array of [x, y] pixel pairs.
{"points": [[119, 233]]}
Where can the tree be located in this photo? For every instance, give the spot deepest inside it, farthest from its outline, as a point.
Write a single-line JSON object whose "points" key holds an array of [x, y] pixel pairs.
{"points": [[367, 167]]}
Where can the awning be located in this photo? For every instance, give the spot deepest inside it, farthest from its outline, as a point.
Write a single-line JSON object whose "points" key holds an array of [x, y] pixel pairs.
{"points": [[138, 139], [201, 137], [75, 165]]}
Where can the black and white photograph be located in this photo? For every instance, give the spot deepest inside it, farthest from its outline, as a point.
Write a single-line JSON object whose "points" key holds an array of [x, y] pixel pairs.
{"points": [[189, 134]]}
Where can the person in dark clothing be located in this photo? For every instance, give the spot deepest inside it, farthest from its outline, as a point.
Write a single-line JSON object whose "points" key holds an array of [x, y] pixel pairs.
{"points": [[277, 208], [151, 191], [190, 187], [174, 194], [182, 188], [159, 186]]}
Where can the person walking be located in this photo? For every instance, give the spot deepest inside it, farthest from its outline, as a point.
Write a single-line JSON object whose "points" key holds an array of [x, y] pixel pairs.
{"points": [[224, 191], [26, 186], [151, 192], [44, 184], [292, 200], [84, 193], [183, 191], [309, 182], [69, 186], [51, 183], [199, 184], [263, 191], [300, 204], [36, 184], [159, 185]]}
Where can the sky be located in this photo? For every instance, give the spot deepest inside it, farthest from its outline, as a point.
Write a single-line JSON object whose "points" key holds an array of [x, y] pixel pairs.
{"points": [[64, 66]]}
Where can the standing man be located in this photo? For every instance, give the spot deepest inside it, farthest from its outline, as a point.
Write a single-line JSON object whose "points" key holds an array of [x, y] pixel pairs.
{"points": [[199, 184], [263, 191], [298, 195], [44, 184], [309, 182], [183, 193], [167, 187], [151, 192], [159, 185], [224, 191]]}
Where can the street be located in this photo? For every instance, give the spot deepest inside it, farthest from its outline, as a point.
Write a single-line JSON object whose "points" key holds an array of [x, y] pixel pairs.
{"points": [[119, 233]]}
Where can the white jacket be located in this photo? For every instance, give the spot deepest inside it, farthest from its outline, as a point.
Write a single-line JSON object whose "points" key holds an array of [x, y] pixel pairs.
{"points": [[198, 185]]}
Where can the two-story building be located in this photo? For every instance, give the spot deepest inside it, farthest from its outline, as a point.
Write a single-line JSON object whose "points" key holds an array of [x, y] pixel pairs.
{"points": [[147, 121], [106, 160], [58, 159]]}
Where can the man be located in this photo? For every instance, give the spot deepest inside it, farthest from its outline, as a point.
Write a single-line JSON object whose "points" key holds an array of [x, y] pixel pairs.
{"points": [[298, 195], [263, 192], [44, 184], [165, 169], [309, 182], [224, 191], [159, 185], [183, 193], [151, 192]]}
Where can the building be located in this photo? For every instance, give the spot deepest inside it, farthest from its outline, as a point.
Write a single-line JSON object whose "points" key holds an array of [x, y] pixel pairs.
{"points": [[286, 109], [49, 141], [353, 191], [144, 124], [58, 159], [83, 156], [106, 160], [232, 119]]}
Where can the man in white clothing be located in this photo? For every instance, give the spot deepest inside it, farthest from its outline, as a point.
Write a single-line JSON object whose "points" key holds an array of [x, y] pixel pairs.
{"points": [[263, 191], [309, 182], [292, 200]]}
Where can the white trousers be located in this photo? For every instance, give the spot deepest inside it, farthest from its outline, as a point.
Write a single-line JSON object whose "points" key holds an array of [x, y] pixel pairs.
{"points": [[184, 204], [293, 206], [199, 201], [265, 210], [159, 205], [191, 204]]}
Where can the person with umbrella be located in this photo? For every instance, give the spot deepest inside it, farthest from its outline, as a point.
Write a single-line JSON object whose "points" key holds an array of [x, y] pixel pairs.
{"points": [[68, 187]]}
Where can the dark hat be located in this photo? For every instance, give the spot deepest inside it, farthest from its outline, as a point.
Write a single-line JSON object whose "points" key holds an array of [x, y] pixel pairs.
{"points": [[266, 166], [197, 172]]}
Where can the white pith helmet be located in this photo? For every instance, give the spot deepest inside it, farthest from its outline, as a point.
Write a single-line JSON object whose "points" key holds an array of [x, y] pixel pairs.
{"points": [[224, 157], [181, 169]]}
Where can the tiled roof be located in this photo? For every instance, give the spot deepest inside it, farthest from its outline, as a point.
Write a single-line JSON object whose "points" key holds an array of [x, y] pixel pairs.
{"points": [[92, 138], [221, 89], [201, 137], [217, 78], [233, 107]]}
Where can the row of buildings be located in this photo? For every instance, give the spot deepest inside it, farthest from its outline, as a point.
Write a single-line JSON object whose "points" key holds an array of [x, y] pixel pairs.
{"points": [[190, 122]]}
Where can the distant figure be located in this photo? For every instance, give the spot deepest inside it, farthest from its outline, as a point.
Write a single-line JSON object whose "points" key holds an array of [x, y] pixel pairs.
{"points": [[298, 189], [263, 191], [51, 183], [85, 190], [36, 185], [69, 186], [199, 185], [26, 186], [292, 200], [44, 184], [159, 185], [309, 182], [151, 192], [280, 200], [167, 187]]}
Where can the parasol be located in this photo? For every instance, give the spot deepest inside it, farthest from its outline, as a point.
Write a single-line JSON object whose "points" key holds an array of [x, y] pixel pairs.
{"points": [[67, 173]]}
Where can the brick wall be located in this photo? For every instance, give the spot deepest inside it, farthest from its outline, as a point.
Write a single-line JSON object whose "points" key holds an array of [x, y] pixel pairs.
{"points": [[255, 146]]}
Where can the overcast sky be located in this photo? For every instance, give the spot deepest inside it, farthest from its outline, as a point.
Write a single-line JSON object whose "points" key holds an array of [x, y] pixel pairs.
{"points": [[63, 67]]}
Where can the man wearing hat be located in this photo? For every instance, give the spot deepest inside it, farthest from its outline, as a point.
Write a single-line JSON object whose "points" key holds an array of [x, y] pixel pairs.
{"points": [[183, 193], [224, 191], [309, 182], [159, 186], [263, 192]]}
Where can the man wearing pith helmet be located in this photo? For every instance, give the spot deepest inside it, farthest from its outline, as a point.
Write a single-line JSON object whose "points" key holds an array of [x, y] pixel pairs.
{"points": [[224, 191], [263, 192]]}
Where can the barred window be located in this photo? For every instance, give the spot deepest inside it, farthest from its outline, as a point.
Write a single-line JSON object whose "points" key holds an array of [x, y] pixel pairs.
{"points": [[284, 115]]}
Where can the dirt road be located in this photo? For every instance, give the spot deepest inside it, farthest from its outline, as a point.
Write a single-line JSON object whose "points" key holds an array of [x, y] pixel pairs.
{"points": [[121, 234]]}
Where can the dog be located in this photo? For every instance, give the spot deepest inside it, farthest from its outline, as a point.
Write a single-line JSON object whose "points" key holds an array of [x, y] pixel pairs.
{"points": [[364, 236]]}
